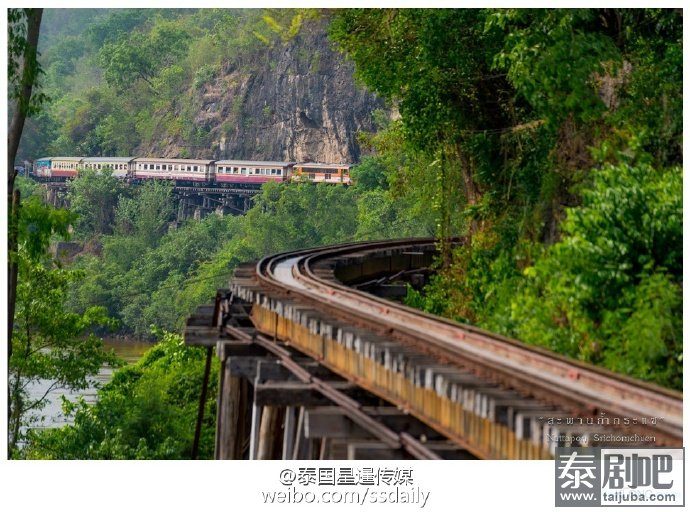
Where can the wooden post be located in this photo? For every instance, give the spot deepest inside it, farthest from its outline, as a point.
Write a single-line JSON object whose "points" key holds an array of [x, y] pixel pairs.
{"points": [[202, 404], [254, 433], [299, 440], [269, 434], [230, 423], [289, 433], [220, 410]]}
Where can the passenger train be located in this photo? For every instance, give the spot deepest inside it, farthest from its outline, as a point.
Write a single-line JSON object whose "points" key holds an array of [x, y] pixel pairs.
{"points": [[222, 172]]}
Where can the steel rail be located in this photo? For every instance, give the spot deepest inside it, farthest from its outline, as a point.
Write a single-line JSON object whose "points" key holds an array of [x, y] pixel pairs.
{"points": [[592, 389]]}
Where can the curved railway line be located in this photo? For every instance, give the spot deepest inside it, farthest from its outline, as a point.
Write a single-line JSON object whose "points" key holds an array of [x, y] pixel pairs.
{"points": [[463, 392]]}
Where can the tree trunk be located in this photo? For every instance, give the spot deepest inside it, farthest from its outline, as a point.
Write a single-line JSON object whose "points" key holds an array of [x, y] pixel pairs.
{"points": [[28, 75]]}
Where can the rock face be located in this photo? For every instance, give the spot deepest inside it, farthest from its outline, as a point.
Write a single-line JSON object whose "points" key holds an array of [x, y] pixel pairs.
{"points": [[296, 101]]}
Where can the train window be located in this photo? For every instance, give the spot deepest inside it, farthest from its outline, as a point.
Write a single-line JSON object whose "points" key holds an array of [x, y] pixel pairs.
{"points": [[243, 170], [158, 167], [280, 172], [196, 168], [312, 176], [327, 177]]}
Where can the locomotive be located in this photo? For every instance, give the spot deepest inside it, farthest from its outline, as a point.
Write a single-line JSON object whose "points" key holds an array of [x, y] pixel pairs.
{"points": [[221, 172]]}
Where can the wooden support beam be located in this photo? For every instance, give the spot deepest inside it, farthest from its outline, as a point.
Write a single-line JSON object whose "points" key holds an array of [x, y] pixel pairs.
{"points": [[246, 367], [234, 348], [333, 422], [373, 450], [270, 433], [325, 422], [204, 336], [271, 370], [288, 393]]}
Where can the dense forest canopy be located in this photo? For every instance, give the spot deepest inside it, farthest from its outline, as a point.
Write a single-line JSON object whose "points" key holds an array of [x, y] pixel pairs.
{"points": [[551, 140]]}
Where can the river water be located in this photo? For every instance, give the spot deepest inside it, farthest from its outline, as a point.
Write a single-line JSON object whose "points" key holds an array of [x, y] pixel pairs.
{"points": [[127, 349]]}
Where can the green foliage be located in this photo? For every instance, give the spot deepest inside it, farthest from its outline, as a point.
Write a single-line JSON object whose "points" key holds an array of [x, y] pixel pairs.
{"points": [[27, 187], [93, 196], [610, 291], [147, 411], [146, 215], [288, 217], [553, 57], [23, 68], [49, 343], [127, 78], [38, 224], [204, 75], [503, 116], [143, 55]]}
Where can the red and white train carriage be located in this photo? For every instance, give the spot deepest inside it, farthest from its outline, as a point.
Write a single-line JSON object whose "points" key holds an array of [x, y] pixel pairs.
{"points": [[239, 172], [173, 169]]}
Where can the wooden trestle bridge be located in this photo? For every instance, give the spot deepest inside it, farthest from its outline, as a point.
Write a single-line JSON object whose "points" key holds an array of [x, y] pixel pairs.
{"points": [[193, 200], [318, 361]]}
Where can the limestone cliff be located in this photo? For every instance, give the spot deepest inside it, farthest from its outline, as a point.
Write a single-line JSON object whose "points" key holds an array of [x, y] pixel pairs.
{"points": [[295, 101]]}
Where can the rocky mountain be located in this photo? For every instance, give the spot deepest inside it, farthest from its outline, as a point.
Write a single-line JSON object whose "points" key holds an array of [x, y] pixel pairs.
{"points": [[298, 101]]}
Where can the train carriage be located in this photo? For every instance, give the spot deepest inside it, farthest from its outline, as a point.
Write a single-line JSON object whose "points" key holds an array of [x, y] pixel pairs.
{"points": [[65, 166], [322, 173], [239, 172], [121, 166], [174, 169], [42, 167]]}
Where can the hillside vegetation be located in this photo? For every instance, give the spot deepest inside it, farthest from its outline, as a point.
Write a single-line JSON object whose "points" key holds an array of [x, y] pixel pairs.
{"points": [[260, 84]]}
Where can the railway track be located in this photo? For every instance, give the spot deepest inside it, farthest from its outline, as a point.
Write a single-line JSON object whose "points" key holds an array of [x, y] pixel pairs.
{"points": [[492, 396]]}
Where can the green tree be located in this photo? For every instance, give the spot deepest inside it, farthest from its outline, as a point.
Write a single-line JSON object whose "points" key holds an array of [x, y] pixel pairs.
{"points": [[610, 291], [287, 217], [143, 55], [147, 214], [50, 343], [147, 411], [94, 196]]}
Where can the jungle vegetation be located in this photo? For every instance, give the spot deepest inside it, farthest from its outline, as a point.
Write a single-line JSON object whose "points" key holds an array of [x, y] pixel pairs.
{"points": [[551, 140]]}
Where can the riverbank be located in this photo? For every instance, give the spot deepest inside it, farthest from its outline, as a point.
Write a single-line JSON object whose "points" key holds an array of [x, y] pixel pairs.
{"points": [[128, 349]]}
